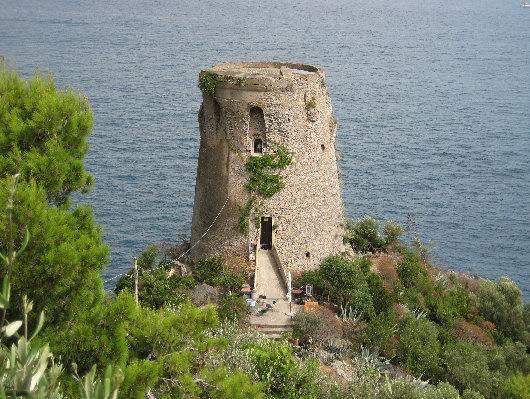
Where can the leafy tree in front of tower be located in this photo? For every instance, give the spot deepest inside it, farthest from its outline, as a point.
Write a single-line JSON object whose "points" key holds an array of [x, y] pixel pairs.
{"points": [[43, 139], [43, 134]]}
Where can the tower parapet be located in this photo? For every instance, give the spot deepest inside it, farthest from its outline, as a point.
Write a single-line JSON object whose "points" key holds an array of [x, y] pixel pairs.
{"points": [[251, 109]]}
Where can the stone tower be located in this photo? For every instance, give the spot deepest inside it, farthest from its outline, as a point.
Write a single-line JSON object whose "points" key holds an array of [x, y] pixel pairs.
{"points": [[251, 109]]}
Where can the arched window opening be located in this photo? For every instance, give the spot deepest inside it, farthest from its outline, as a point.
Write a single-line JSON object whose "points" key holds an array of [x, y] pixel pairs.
{"points": [[257, 130], [258, 146]]}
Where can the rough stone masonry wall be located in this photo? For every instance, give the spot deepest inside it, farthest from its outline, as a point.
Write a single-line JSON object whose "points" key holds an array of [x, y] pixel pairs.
{"points": [[308, 212]]}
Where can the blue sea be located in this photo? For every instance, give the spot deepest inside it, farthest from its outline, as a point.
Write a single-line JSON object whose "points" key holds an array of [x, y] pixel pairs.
{"points": [[432, 99]]}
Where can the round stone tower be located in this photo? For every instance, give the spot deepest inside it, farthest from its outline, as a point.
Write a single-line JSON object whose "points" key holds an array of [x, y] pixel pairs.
{"points": [[251, 109]]}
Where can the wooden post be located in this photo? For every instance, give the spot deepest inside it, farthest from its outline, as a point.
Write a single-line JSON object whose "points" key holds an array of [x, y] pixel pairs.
{"points": [[136, 279]]}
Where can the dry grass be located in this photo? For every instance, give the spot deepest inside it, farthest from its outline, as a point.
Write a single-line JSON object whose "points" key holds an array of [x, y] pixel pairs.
{"points": [[469, 332], [385, 266]]}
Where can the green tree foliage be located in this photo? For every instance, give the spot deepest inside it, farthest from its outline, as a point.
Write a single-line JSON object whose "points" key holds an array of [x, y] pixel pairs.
{"points": [[234, 308], [364, 235], [213, 271], [27, 367], [220, 384], [516, 387], [43, 137], [140, 375], [43, 134], [60, 269], [99, 337], [419, 348], [501, 302], [380, 334], [346, 283], [418, 287], [466, 366]]}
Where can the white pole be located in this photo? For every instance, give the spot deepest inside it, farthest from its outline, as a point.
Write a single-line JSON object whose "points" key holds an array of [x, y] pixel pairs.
{"points": [[136, 279], [289, 296]]}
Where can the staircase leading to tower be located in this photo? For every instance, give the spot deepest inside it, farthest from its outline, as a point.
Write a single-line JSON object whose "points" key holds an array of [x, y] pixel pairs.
{"points": [[270, 284]]}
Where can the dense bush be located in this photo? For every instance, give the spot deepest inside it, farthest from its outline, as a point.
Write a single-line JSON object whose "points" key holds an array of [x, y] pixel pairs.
{"points": [[316, 328], [283, 376], [516, 387], [213, 271], [501, 302], [364, 236], [344, 282], [382, 299], [450, 305], [466, 366], [157, 286], [418, 286], [234, 308], [61, 266], [380, 334], [419, 348]]}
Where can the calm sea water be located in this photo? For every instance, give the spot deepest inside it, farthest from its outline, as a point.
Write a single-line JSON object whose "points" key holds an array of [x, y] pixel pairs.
{"points": [[432, 99]]}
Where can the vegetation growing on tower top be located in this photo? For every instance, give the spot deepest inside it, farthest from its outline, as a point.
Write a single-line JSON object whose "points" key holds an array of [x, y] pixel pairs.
{"points": [[208, 82]]}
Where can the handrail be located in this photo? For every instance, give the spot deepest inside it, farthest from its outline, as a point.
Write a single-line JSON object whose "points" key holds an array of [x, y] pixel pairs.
{"points": [[281, 269]]}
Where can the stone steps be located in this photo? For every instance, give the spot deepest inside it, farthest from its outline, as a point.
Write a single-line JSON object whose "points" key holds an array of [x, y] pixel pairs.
{"points": [[273, 330]]}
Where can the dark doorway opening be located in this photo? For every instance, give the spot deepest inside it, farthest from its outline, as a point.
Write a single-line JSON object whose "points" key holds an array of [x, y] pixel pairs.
{"points": [[265, 240], [258, 146]]}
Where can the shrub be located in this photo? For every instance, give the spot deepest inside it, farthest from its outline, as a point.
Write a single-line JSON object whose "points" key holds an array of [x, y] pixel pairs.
{"points": [[363, 235], [403, 389], [470, 394], [381, 298], [208, 82], [229, 281], [418, 285], [516, 387], [413, 274], [380, 334], [466, 367], [470, 332], [155, 288], [345, 283], [450, 305], [212, 271], [509, 358], [419, 348], [222, 384], [501, 302], [207, 270], [233, 307], [316, 328], [140, 375], [275, 366], [392, 233], [283, 376]]}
